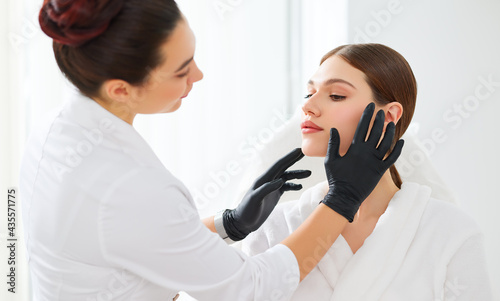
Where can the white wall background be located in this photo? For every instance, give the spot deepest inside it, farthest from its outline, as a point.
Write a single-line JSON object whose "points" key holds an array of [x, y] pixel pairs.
{"points": [[257, 56], [450, 45], [244, 64]]}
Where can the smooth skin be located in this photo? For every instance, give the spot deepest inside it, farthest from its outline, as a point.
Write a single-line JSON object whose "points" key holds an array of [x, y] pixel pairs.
{"points": [[163, 93]]}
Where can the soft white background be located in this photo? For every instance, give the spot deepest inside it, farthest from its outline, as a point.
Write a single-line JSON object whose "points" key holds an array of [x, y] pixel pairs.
{"points": [[257, 56]]}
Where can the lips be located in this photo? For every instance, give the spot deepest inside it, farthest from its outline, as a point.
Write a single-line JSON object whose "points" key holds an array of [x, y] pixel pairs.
{"points": [[185, 95], [309, 127]]}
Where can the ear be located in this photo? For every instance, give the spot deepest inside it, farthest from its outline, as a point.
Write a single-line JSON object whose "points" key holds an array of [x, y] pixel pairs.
{"points": [[393, 112], [117, 90]]}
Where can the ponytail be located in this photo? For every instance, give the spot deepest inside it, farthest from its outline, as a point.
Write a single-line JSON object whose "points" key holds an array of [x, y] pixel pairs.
{"points": [[395, 176]]}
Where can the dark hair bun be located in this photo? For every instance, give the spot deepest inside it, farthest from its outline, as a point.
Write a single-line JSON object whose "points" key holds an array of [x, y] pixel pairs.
{"points": [[75, 22]]}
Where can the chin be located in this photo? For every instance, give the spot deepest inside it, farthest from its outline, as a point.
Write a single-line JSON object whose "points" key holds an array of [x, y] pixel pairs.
{"points": [[311, 149], [173, 108]]}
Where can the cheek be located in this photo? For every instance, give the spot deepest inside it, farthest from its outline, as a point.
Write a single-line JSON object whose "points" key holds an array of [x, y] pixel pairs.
{"points": [[345, 122], [172, 90], [346, 136], [161, 98], [345, 119]]}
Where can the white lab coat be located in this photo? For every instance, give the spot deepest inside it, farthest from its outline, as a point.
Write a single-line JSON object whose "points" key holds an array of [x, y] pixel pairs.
{"points": [[105, 220]]}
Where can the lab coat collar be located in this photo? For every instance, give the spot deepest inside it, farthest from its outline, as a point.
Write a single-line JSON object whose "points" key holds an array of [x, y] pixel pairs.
{"points": [[92, 117]]}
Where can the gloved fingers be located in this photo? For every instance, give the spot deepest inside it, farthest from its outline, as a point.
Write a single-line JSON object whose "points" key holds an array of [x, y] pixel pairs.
{"points": [[280, 166], [290, 187], [364, 123], [261, 192], [387, 140], [332, 151], [377, 129], [395, 153], [295, 174]]}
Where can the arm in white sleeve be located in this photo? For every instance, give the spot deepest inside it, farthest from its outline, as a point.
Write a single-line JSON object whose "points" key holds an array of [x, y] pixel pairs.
{"points": [[149, 226], [467, 275]]}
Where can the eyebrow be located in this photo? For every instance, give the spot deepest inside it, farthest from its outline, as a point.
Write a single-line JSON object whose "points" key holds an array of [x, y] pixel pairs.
{"points": [[184, 64], [332, 81]]}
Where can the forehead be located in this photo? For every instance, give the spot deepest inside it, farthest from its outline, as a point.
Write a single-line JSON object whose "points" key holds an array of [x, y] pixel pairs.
{"points": [[179, 47], [337, 67]]}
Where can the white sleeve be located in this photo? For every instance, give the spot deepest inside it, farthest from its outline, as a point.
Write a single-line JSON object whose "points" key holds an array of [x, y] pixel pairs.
{"points": [[273, 231], [149, 226], [467, 276]]}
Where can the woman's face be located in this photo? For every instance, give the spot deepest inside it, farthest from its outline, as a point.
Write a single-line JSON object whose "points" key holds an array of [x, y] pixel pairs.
{"points": [[337, 96], [170, 82]]}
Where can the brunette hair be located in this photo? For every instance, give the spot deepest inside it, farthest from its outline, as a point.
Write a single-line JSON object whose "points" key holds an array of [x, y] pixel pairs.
{"points": [[98, 40], [390, 78]]}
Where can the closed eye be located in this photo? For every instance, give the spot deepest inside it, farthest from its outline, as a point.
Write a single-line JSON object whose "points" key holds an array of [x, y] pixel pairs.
{"points": [[183, 74], [337, 97]]}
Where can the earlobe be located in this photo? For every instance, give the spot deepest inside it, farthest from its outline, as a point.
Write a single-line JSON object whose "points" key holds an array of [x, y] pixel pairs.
{"points": [[393, 112]]}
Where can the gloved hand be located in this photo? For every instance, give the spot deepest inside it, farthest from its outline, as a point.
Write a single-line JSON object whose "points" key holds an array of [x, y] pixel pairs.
{"points": [[263, 196], [353, 177]]}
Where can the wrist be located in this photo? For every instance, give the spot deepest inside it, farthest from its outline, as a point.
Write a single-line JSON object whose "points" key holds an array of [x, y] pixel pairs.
{"points": [[219, 226], [343, 203], [232, 228]]}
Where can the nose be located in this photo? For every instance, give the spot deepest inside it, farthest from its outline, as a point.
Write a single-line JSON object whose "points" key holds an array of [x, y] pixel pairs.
{"points": [[197, 75], [310, 107]]}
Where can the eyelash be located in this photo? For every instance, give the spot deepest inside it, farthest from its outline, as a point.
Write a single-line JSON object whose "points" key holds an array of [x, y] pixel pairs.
{"points": [[183, 74], [333, 97], [337, 97]]}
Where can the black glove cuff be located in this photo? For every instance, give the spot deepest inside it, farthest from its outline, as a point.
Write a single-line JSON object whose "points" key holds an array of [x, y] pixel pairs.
{"points": [[343, 202], [229, 224]]}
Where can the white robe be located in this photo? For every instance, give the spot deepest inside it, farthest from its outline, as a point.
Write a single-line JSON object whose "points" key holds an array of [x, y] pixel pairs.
{"points": [[420, 249]]}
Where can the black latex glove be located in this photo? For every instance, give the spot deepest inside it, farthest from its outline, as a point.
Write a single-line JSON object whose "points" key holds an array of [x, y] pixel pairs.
{"points": [[263, 196], [353, 177]]}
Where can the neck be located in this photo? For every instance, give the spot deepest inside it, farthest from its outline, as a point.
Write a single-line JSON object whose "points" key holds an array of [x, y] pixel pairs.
{"points": [[120, 110], [376, 203]]}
